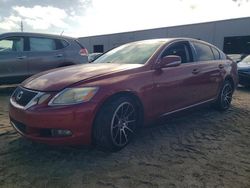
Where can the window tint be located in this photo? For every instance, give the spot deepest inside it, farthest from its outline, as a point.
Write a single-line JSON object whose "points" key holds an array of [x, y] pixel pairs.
{"points": [[64, 43], [179, 49], [12, 44], [203, 52], [216, 53], [79, 43], [42, 44]]}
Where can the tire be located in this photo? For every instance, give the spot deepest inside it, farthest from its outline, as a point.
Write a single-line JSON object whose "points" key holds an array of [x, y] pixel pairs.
{"points": [[115, 124], [224, 99]]}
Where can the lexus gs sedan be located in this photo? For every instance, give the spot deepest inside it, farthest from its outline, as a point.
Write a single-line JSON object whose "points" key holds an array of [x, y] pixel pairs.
{"points": [[103, 103]]}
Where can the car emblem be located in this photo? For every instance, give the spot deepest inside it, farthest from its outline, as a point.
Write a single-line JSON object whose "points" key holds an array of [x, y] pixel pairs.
{"points": [[19, 95]]}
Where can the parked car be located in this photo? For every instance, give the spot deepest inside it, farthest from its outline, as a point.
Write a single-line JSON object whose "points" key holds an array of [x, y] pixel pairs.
{"points": [[244, 71], [93, 56], [25, 54], [236, 57], [104, 102]]}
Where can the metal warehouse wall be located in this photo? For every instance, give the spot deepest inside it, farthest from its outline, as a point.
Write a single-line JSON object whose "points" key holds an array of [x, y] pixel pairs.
{"points": [[213, 32]]}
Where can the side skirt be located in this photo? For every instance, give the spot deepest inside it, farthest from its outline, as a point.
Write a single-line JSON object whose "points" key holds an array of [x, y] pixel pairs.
{"points": [[188, 107]]}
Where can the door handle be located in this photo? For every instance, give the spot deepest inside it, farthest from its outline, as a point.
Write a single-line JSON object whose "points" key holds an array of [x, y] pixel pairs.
{"points": [[221, 66], [59, 55], [21, 57], [195, 71]]}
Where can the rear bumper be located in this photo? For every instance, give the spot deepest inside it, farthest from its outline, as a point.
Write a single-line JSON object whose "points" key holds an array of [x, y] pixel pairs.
{"points": [[38, 124]]}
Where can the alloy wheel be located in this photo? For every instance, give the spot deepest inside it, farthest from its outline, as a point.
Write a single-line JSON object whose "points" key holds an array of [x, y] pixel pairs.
{"points": [[226, 95], [123, 124]]}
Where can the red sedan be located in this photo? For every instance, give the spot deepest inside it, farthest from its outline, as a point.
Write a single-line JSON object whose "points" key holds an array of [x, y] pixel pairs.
{"points": [[104, 102]]}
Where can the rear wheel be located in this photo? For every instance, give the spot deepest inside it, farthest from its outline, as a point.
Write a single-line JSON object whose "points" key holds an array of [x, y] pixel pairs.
{"points": [[224, 99], [115, 124]]}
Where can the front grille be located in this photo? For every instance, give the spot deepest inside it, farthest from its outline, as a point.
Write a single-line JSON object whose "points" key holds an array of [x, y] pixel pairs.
{"points": [[23, 96]]}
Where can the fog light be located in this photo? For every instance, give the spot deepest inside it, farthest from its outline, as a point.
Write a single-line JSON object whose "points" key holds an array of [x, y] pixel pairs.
{"points": [[60, 132]]}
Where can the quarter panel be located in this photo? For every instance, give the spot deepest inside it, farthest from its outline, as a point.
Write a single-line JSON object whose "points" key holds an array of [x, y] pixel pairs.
{"points": [[72, 54], [208, 80]]}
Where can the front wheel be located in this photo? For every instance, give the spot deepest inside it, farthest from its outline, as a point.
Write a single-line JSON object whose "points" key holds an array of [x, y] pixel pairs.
{"points": [[224, 99], [115, 124]]}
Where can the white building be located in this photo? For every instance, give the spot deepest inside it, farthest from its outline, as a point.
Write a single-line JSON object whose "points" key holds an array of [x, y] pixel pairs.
{"points": [[232, 36]]}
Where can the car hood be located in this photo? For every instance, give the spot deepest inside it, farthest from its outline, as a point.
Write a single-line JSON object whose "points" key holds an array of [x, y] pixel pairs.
{"points": [[58, 79], [243, 65]]}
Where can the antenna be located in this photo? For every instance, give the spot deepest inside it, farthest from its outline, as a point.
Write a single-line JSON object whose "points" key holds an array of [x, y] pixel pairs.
{"points": [[62, 32], [21, 25]]}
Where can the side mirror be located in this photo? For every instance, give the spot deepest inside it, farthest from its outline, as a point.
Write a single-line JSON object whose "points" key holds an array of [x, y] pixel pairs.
{"points": [[169, 61]]}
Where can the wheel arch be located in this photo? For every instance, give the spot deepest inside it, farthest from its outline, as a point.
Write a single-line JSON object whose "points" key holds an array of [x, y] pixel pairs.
{"points": [[129, 94], [231, 80]]}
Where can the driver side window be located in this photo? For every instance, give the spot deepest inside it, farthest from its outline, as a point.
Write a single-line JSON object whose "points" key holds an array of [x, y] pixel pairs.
{"points": [[181, 49], [12, 44]]}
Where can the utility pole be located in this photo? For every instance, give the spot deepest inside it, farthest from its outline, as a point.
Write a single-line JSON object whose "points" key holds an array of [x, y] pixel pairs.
{"points": [[21, 25]]}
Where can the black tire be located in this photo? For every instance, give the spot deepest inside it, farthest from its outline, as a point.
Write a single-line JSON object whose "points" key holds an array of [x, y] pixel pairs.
{"points": [[224, 99], [115, 124]]}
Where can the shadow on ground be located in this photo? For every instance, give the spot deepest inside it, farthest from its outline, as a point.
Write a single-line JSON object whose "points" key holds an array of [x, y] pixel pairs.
{"points": [[202, 148]]}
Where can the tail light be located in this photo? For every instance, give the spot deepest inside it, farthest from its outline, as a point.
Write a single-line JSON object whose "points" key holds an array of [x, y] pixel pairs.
{"points": [[83, 52]]}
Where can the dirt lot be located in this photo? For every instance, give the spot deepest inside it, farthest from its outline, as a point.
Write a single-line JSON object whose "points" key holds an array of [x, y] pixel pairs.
{"points": [[204, 148]]}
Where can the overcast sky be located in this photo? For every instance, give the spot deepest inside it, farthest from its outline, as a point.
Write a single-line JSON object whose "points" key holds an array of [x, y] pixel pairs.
{"points": [[94, 17]]}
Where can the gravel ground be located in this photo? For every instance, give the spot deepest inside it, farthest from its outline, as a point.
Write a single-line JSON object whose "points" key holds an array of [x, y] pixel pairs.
{"points": [[203, 148]]}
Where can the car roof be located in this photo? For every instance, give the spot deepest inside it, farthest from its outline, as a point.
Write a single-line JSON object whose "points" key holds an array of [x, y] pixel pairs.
{"points": [[9, 34], [176, 39], [168, 40]]}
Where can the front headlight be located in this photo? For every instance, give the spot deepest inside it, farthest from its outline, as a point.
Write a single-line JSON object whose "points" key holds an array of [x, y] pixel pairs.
{"points": [[73, 96]]}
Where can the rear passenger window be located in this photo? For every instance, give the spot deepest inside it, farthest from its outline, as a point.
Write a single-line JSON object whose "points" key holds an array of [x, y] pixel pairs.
{"points": [[60, 44], [203, 52], [64, 43], [216, 53], [42, 44]]}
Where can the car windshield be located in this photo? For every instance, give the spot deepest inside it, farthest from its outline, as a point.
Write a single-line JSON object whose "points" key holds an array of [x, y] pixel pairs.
{"points": [[132, 53], [246, 59]]}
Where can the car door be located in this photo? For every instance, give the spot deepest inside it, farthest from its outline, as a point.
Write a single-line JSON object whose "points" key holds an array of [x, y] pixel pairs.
{"points": [[13, 60], [208, 72], [175, 86], [44, 54]]}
